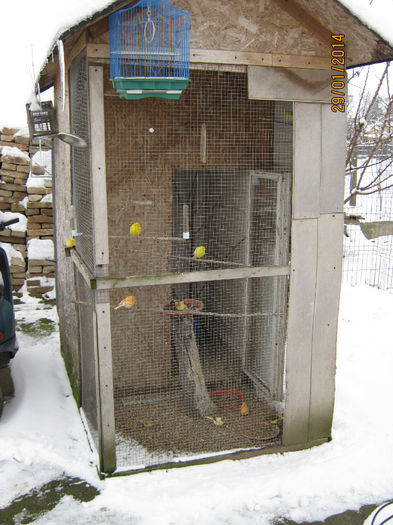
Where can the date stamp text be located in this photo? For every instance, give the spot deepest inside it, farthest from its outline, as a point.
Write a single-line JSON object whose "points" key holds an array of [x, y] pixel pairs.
{"points": [[338, 75]]}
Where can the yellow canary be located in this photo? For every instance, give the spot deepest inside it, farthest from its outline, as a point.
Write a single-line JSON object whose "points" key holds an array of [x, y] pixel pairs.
{"points": [[70, 242], [199, 251], [289, 117], [244, 409], [127, 302], [180, 305], [135, 229]]}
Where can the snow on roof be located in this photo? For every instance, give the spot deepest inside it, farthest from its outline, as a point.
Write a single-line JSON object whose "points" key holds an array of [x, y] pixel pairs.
{"points": [[376, 15]]}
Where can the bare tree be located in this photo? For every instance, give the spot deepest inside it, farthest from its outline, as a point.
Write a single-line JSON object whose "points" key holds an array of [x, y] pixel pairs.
{"points": [[370, 139]]}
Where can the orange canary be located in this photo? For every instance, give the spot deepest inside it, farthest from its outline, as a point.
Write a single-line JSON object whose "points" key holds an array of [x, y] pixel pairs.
{"points": [[244, 409], [127, 302]]}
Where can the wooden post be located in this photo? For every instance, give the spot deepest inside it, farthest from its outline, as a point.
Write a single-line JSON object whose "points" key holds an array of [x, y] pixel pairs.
{"points": [[98, 172], [106, 423], [196, 397]]}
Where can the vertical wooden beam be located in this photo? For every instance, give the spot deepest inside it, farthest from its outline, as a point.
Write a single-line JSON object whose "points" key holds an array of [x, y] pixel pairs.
{"points": [[307, 160], [333, 154], [327, 297], [97, 139], [300, 331], [106, 409]]}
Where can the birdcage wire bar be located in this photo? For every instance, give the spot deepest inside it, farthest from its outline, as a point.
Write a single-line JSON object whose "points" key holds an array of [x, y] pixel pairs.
{"points": [[150, 39]]}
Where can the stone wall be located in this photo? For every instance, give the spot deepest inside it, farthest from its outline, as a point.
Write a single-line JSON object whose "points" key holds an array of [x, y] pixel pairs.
{"points": [[26, 193]]}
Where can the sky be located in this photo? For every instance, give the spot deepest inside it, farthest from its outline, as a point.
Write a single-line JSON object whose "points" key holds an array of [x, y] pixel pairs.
{"points": [[29, 28]]}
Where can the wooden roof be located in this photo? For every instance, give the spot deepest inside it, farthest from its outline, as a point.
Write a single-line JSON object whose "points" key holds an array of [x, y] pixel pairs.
{"points": [[295, 33]]}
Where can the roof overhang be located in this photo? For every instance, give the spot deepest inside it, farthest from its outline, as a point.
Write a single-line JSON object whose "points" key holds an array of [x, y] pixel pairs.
{"points": [[322, 18]]}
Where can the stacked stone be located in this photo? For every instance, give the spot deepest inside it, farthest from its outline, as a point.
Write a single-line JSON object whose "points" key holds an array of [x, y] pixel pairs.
{"points": [[14, 170], [14, 138], [41, 266], [17, 265], [39, 211], [30, 196], [15, 167]]}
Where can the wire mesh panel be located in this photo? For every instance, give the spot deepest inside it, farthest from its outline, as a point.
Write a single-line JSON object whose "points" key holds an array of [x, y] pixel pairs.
{"points": [[81, 179], [89, 365], [187, 381], [150, 39], [186, 165], [370, 260], [198, 365]]}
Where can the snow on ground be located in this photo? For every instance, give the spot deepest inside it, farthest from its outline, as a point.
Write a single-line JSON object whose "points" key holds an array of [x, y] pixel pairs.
{"points": [[41, 437]]}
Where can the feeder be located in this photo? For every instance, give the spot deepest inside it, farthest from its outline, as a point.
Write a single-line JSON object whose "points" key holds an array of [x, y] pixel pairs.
{"points": [[149, 45], [41, 120]]}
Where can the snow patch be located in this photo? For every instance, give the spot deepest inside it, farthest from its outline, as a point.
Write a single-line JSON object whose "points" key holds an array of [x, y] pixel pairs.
{"points": [[36, 181], [41, 249], [14, 151], [12, 253], [20, 226], [47, 198], [43, 158]]}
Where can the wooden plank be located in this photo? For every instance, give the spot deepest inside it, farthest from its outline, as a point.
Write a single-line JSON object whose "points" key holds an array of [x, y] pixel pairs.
{"points": [[334, 128], [77, 48], [288, 83], [300, 331], [306, 20], [307, 160], [105, 382], [216, 56], [330, 243], [104, 283], [302, 62], [82, 268], [97, 150]]}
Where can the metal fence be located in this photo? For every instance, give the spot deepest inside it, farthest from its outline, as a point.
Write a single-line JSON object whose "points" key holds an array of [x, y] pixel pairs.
{"points": [[369, 261]]}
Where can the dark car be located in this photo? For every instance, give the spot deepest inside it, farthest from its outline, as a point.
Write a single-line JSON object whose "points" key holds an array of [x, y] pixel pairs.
{"points": [[8, 340]]}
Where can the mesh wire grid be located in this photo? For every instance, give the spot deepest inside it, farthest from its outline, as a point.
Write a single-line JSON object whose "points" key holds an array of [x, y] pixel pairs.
{"points": [[89, 401], [81, 177], [200, 164], [369, 261], [177, 376], [216, 167]]}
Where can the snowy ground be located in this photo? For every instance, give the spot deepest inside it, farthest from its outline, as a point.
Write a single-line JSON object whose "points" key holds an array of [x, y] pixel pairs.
{"points": [[42, 438]]}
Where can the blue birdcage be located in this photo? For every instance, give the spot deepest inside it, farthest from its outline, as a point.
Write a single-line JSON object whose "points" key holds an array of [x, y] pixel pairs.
{"points": [[149, 45]]}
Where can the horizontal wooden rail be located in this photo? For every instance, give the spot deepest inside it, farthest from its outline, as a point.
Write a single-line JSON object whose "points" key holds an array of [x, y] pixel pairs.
{"points": [[245, 58]]}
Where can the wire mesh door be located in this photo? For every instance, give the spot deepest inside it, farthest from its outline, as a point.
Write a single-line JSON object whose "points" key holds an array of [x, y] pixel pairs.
{"points": [[243, 219]]}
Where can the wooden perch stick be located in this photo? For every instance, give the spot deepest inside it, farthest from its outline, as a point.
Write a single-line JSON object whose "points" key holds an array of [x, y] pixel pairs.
{"points": [[212, 314], [213, 261]]}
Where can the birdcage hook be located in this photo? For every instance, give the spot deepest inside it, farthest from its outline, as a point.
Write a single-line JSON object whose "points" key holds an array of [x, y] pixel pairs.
{"points": [[149, 35]]}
